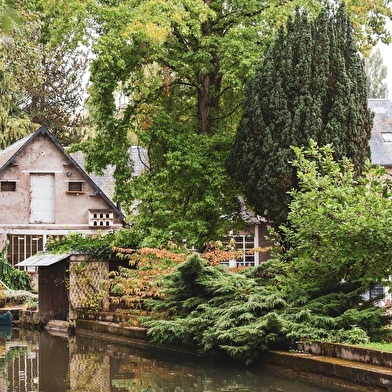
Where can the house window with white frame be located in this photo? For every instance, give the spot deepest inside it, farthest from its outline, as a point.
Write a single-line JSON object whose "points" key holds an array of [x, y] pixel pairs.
{"points": [[22, 246], [244, 243]]}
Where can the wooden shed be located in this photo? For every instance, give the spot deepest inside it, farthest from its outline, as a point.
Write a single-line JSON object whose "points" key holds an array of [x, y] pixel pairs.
{"points": [[52, 271]]}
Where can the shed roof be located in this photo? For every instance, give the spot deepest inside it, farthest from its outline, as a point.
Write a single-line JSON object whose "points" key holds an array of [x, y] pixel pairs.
{"points": [[43, 259]]}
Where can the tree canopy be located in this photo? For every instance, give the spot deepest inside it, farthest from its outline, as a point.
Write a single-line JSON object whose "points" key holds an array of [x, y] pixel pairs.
{"points": [[169, 76], [376, 73], [310, 85], [178, 70], [47, 83]]}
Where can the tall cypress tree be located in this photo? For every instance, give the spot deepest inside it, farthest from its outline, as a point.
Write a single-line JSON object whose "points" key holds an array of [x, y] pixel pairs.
{"points": [[311, 85]]}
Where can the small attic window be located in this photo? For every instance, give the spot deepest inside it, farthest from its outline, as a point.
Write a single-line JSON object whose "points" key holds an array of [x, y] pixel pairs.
{"points": [[75, 187], [386, 137], [8, 186]]}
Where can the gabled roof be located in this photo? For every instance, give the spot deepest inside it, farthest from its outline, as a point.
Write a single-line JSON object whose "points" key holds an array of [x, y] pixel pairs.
{"points": [[381, 149], [9, 155]]}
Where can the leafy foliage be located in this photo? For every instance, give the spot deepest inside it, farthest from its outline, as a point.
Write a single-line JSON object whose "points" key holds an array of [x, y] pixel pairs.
{"points": [[311, 85], [218, 311], [338, 227], [307, 291], [98, 246], [47, 83], [132, 287], [12, 277], [14, 123]]}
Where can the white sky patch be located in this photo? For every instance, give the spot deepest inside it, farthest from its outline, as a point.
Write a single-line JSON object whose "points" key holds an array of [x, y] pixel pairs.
{"points": [[386, 52]]}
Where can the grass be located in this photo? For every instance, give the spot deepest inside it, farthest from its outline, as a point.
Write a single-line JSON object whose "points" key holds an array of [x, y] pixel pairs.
{"points": [[378, 346]]}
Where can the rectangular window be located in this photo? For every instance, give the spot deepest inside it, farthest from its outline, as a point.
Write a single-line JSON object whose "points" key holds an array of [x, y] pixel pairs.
{"points": [[376, 291], [8, 186], [387, 137], [75, 187], [244, 243], [22, 246]]}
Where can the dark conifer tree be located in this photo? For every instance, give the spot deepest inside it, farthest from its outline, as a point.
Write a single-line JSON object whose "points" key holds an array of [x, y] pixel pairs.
{"points": [[311, 85]]}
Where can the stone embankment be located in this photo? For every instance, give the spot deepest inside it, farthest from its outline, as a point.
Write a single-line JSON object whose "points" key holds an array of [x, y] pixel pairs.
{"points": [[341, 366], [349, 367]]}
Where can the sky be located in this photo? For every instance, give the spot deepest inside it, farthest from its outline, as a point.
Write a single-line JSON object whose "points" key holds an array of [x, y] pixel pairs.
{"points": [[386, 52]]}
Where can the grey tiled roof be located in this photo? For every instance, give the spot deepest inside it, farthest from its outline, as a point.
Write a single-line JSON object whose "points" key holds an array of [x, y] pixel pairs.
{"points": [[381, 151], [9, 153], [106, 181]]}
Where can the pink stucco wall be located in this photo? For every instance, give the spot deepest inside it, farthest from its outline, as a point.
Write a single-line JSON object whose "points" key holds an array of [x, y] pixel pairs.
{"points": [[70, 209]]}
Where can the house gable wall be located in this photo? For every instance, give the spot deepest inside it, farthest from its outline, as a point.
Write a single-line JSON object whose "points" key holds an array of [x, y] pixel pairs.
{"points": [[42, 156]]}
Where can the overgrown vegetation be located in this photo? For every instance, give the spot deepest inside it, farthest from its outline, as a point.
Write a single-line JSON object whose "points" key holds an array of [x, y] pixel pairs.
{"points": [[18, 298], [333, 249], [98, 247], [12, 277], [312, 289], [243, 314]]}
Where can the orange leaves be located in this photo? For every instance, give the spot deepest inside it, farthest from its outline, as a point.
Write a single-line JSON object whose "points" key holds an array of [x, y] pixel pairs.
{"points": [[131, 287], [217, 256]]}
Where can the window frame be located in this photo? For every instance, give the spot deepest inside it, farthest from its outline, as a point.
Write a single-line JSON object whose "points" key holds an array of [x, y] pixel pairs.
{"points": [[71, 184], [4, 184]]}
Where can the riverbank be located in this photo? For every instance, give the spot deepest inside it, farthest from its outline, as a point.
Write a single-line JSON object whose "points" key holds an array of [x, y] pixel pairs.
{"points": [[354, 372], [348, 368]]}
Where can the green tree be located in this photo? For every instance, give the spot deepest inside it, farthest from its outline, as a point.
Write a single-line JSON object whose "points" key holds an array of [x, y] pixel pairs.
{"points": [[48, 79], [179, 68], [339, 227], [339, 231], [311, 85], [14, 123], [175, 65], [376, 73]]}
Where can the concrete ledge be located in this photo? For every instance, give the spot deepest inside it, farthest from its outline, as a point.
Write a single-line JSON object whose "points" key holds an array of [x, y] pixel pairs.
{"points": [[132, 336], [350, 373], [103, 327], [350, 353], [110, 317]]}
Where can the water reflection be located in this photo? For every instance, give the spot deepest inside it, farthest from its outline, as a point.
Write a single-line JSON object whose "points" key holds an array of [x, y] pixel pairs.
{"points": [[36, 361]]}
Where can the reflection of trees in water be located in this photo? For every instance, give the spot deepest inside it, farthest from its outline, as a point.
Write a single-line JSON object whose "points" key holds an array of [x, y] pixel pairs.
{"points": [[8, 354], [87, 364]]}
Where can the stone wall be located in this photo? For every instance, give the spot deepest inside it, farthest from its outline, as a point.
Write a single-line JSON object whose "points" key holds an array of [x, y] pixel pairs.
{"points": [[350, 353]]}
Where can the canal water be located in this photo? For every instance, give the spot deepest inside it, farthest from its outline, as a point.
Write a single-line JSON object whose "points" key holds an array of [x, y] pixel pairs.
{"points": [[37, 361]]}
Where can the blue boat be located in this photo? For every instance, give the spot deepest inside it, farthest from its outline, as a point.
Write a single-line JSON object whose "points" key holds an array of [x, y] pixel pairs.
{"points": [[6, 318]]}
